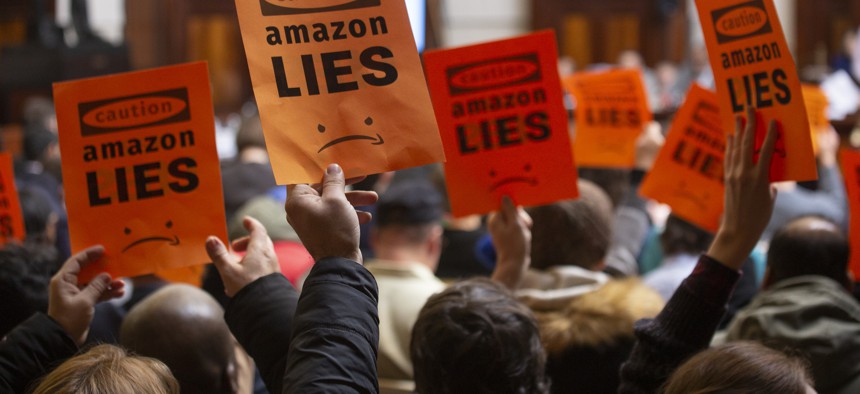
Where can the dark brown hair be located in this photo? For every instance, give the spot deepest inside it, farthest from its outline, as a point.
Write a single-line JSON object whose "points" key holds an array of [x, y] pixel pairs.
{"points": [[474, 337], [573, 232], [681, 236], [740, 367]]}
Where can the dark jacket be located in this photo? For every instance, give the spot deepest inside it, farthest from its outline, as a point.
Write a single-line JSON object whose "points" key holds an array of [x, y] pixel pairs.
{"points": [[324, 341], [814, 315], [684, 327], [32, 350]]}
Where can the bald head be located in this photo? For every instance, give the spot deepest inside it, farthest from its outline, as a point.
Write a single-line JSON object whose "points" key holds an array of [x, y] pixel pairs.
{"points": [[184, 327], [809, 245]]}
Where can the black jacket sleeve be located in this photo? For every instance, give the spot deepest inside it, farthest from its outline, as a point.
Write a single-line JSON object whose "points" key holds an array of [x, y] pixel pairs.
{"points": [[683, 328], [335, 331], [260, 317], [32, 350]]}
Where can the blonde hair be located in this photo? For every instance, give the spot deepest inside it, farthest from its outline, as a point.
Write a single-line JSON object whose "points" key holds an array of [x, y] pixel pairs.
{"points": [[109, 369]]}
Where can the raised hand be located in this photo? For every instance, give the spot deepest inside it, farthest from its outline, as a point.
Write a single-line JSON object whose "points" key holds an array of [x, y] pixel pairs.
{"points": [[510, 229], [324, 216], [259, 260], [749, 195], [72, 306]]}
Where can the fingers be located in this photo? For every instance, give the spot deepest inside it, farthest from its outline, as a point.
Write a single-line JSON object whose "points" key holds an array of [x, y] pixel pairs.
{"points": [[768, 147], [218, 253], [82, 259], [241, 244], [333, 185], [753, 118], [354, 180], [94, 290], [364, 217], [361, 198], [299, 190], [508, 211], [729, 158], [116, 289], [525, 217], [256, 229]]}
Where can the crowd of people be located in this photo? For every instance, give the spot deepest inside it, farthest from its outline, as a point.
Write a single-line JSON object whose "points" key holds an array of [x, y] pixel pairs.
{"points": [[370, 285]]}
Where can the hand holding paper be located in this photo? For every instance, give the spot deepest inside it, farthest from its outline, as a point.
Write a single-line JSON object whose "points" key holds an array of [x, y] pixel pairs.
{"points": [[510, 229], [324, 217], [259, 260]]}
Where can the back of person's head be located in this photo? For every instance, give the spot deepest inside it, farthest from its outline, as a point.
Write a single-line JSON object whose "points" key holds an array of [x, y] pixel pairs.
{"points": [[250, 135], [25, 272], [109, 369], [37, 141], [184, 327], [740, 367], [573, 232], [40, 218], [808, 245], [474, 337], [411, 208], [615, 182], [681, 236]]}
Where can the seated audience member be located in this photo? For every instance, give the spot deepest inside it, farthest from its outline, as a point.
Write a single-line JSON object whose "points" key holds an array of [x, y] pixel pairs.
{"points": [[183, 327], [806, 304], [741, 367], [43, 341], [109, 369], [327, 340], [461, 239], [25, 272], [250, 174], [406, 238], [687, 323], [829, 200], [682, 243], [585, 317], [474, 337]]}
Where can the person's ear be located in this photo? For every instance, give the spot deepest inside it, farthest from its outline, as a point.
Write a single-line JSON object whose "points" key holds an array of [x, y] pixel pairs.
{"points": [[434, 240]]}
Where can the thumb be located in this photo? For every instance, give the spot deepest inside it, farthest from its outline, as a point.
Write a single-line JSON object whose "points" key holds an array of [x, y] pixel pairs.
{"points": [[333, 182], [217, 252], [94, 290]]}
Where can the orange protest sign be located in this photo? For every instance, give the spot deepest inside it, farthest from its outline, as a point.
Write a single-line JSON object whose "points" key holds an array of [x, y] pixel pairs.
{"points": [[850, 160], [338, 81], [140, 168], [753, 67], [688, 173], [611, 111], [11, 218], [503, 123], [816, 108]]}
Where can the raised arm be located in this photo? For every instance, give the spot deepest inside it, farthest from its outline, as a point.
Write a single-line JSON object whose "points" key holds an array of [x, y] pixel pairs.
{"points": [[44, 341], [336, 325], [690, 318]]}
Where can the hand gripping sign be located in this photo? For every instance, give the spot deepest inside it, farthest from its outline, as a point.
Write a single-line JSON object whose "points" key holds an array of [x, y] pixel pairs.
{"points": [[11, 218], [611, 112], [688, 173], [338, 81], [753, 67], [140, 168], [850, 160], [503, 122]]}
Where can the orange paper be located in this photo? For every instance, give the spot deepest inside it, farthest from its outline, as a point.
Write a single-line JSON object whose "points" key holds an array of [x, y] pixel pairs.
{"points": [[611, 112], [816, 108], [850, 160], [11, 218], [140, 168], [753, 67], [688, 173], [338, 81], [503, 123]]}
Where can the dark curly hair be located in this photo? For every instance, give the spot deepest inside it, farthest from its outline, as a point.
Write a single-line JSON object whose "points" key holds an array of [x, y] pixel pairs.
{"points": [[25, 272], [474, 337]]}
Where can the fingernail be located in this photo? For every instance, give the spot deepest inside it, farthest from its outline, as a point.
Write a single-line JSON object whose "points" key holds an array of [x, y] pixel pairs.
{"points": [[333, 169], [212, 245]]}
